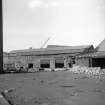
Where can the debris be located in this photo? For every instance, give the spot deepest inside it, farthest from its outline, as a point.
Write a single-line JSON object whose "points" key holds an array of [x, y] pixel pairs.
{"points": [[91, 71], [9, 90]]}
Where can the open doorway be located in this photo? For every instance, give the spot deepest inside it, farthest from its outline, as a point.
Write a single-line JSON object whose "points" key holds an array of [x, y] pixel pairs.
{"points": [[98, 62], [30, 65]]}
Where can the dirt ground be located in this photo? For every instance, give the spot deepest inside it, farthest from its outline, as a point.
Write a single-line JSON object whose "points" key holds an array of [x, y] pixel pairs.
{"points": [[53, 88]]}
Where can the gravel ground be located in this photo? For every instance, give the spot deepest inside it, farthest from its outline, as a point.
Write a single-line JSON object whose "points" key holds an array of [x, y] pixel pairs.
{"points": [[53, 88]]}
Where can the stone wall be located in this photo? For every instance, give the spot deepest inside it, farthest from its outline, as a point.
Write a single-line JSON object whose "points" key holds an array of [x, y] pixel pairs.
{"points": [[25, 60], [82, 62]]}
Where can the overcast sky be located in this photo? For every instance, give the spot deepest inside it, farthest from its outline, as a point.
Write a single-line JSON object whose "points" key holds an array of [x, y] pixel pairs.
{"points": [[29, 23]]}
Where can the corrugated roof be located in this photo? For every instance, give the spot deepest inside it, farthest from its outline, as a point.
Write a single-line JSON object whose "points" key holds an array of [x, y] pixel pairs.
{"points": [[48, 52], [53, 50]]}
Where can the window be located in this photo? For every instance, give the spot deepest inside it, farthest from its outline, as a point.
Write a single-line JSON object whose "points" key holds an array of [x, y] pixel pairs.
{"points": [[59, 62], [45, 63]]}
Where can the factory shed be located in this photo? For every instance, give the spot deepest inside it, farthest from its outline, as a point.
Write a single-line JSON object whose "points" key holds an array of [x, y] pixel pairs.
{"points": [[53, 56]]}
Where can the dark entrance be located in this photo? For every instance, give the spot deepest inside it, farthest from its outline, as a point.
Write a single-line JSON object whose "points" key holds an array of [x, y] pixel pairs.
{"points": [[45, 63], [59, 62], [30, 65], [98, 62], [45, 66]]}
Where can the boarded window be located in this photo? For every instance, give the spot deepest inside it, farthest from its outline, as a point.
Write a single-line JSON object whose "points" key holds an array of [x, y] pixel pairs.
{"points": [[45, 63], [59, 62]]}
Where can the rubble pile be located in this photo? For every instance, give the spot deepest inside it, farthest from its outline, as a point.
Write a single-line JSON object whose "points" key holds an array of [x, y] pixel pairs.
{"points": [[32, 70], [88, 70]]}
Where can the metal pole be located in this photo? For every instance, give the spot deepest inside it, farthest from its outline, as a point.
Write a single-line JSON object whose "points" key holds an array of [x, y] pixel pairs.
{"points": [[1, 37]]}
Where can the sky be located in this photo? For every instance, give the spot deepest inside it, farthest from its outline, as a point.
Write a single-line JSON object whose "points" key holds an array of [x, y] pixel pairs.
{"points": [[29, 23]]}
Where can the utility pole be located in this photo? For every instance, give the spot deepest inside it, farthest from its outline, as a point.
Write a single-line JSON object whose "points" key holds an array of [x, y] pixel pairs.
{"points": [[1, 37]]}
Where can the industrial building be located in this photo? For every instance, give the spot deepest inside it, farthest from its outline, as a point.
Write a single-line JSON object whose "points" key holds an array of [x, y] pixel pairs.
{"points": [[52, 57], [57, 57]]}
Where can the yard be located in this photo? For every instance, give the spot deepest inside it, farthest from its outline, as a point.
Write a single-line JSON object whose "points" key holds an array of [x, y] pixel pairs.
{"points": [[53, 88]]}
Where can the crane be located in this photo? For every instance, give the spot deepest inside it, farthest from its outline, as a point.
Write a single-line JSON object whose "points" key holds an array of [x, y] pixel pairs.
{"points": [[45, 42]]}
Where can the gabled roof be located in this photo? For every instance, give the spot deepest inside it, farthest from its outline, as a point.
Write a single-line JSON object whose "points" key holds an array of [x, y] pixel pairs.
{"points": [[97, 53], [53, 49], [101, 46]]}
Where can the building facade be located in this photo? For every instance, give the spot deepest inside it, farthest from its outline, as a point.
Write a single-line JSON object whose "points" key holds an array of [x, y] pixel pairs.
{"points": [[51, 57]]}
